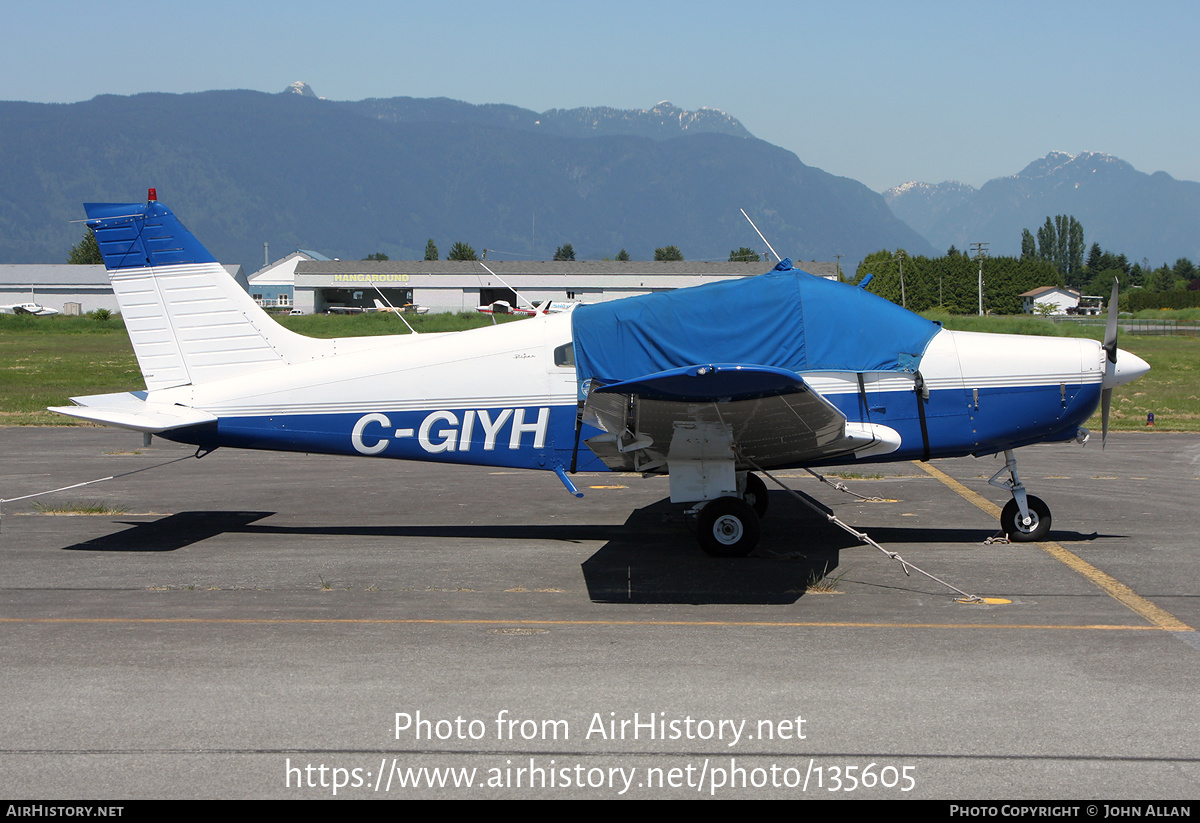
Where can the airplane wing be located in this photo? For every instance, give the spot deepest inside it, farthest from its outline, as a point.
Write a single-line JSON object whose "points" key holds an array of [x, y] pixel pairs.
{"points": [[754, 414], [130, 411], [660, 400]]}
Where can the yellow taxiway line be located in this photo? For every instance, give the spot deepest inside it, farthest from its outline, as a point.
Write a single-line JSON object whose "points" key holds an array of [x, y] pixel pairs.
{"points": [[1160, 618]]}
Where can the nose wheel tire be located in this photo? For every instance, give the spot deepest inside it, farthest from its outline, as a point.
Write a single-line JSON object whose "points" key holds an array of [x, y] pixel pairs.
{"points": [[1018, 532], [756, 494], [727, 527]]}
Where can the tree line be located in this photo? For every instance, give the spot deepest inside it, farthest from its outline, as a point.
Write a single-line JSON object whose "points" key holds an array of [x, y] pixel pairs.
{"points": [[950, 283], [1060, 241], [1054, 256]]}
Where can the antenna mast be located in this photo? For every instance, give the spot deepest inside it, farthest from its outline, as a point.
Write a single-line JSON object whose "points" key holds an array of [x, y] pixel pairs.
{"points": [[395, 311], [510, 288], [760, 234]]}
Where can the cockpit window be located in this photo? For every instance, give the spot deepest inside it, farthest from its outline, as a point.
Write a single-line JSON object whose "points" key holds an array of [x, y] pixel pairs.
{"points": [[564, 355]]}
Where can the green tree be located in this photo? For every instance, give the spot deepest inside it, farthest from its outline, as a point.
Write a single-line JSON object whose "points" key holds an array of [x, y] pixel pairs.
{"points": [[1161, 279], [1060, 241], [744, 255], [1028, 245], [623, 255], [377, 256], [1099, 262], [86, 252], [461, 251], [431, 250], [1074, 247], [668, 253], [565, 252], [1101, 283], [1047, 239]]}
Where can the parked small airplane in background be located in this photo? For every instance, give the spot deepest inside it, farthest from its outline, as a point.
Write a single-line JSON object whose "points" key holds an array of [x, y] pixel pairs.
{"points": [[29, 308], [407, 308], [529, 309], [499, 307], [544, 307], [707, 384]]}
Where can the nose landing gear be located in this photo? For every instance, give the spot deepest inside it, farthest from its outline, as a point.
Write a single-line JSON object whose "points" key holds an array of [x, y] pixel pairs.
{"points": [[1025, 518]]}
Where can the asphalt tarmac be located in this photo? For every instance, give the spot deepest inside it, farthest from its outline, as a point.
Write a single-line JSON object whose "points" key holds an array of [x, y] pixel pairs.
{"points": [[259, 625]]}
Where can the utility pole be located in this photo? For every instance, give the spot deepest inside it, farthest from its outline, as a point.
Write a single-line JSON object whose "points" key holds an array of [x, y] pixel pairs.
{"points": [[839, 267], [980, 253], [903, 299]]}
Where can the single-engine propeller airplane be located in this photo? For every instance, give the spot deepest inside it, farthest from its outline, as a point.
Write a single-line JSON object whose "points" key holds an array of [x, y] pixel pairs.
{"points": [[707, 384], [36, 309]]}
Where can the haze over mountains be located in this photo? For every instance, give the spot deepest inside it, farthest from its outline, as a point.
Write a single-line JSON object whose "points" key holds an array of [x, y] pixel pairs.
{"points": [[1151, 216], [350, 179]]}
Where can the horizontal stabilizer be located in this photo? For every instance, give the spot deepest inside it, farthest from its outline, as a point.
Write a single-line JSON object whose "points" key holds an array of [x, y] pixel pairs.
{"points": [[713, 383], [129, 411]]}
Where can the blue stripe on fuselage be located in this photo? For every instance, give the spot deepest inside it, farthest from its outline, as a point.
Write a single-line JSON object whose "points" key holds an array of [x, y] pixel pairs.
{"points": [[1007, 418], [527, 437]]}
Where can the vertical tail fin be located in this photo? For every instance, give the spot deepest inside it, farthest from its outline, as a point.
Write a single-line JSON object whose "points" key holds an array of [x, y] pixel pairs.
{"points": [[188, 320]]}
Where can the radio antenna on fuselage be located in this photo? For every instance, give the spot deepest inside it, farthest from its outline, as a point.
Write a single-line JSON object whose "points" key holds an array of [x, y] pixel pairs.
{"points": [[778, 259]]}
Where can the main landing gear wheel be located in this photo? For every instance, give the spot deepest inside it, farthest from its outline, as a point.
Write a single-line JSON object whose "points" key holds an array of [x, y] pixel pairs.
{"points": [[727, 527], [756, 494], [1018, 532]]}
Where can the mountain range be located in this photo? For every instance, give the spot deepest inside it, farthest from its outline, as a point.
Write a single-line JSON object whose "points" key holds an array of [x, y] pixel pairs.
{"points": [[348, 179], [1143, 216]]}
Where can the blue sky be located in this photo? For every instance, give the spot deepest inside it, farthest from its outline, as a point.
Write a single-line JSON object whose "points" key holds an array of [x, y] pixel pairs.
{"points": [[883, 92]]}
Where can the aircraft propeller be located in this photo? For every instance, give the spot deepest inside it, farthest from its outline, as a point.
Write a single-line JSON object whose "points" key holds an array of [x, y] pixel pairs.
{"points": [[1110, 364]]}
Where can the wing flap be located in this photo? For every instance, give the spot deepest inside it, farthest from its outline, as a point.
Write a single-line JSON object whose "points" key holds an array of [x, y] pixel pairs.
{"points": [[129, 411]]}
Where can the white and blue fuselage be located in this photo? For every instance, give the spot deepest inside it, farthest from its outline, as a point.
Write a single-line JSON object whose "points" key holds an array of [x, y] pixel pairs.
{"points": [[495, 396], [675, 382]]}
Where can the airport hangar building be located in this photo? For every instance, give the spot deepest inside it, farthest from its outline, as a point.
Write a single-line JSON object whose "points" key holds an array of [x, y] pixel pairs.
{"points": [[69, 288], [461, 286]]}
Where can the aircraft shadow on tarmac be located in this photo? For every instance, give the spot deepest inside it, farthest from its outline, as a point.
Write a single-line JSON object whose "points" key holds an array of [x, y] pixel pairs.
{"points": [[651, 558]]}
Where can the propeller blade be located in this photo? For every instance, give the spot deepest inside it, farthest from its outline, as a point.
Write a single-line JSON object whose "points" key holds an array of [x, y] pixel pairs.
{"points": [[1110, 331], [1110, 367]]}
